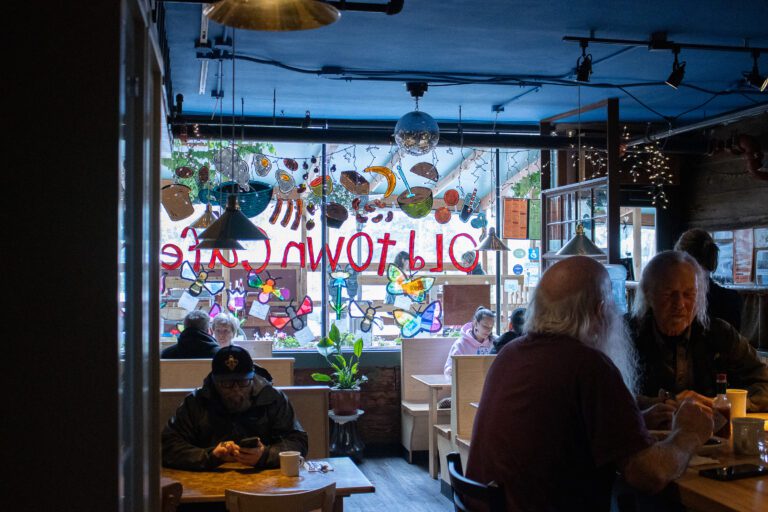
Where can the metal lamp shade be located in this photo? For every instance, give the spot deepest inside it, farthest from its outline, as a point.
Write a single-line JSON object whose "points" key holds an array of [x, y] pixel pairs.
{"points": [[272, 15], [206, 219], [580, 245], [231, 227], [492, 242]]}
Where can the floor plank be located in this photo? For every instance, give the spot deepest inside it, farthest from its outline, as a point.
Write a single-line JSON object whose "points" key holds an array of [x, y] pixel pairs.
{"points": [[399, 486]]}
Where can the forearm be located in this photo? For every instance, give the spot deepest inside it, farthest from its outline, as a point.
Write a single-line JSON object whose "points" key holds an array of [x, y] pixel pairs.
{"points": [[653, 468]]}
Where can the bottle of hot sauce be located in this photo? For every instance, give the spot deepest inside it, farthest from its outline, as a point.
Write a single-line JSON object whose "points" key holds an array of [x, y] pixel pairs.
{"points": [[722, 405]]}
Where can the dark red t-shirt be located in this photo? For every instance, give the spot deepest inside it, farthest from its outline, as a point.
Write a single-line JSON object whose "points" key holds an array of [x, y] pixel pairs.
{"points": [[554, 418]]}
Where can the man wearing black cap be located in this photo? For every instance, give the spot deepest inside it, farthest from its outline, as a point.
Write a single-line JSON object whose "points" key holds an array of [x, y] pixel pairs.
{"points": [[237, 402]]}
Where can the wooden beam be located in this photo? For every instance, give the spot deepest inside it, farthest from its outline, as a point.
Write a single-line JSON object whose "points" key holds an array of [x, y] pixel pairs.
{"points": [[613, 140]]}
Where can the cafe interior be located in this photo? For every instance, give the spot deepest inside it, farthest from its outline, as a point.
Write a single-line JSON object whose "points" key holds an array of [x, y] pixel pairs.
{"points": [[347, 182]]}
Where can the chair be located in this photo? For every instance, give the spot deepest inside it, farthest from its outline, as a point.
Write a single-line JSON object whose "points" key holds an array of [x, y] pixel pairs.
{"points": [[491, 495], [170, 495], [303, 501]]}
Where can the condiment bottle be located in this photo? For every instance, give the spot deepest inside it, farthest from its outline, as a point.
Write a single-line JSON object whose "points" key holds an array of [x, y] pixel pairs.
{"points": [[722, 405]]}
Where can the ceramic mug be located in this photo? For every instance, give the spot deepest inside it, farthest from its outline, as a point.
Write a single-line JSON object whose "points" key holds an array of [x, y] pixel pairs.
{"points": [[738, 399], [290, 462], [746, 435]]}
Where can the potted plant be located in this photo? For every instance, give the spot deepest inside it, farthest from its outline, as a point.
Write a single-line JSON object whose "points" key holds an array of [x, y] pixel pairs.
{"points": [[346, 380]]}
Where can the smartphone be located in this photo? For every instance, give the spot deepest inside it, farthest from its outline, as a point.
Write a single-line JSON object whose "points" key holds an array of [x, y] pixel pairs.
{"points": [[249, 442], [726, 473]]}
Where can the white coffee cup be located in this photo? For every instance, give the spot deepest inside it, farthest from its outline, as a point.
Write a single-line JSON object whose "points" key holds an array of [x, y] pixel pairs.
{"points": [[738, 399], [746, 435], [290, 462]]}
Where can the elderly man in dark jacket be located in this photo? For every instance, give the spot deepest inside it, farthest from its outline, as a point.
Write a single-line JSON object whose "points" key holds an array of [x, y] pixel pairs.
{"points": [[195, 342], [681, 350], [237, 402]]}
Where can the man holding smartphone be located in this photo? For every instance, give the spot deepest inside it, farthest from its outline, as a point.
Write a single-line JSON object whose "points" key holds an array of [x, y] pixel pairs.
{"points": [[237, 416]]}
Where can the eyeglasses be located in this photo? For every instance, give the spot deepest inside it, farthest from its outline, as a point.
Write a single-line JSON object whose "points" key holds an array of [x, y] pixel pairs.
{"points": [[229, 384]]}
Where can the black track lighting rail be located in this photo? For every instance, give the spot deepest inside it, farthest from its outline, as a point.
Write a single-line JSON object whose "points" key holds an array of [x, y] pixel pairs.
{"points": [[660, 42]]}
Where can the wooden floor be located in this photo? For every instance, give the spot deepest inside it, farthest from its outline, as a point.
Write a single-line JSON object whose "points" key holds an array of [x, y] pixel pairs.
{"points": [[399, 487]]}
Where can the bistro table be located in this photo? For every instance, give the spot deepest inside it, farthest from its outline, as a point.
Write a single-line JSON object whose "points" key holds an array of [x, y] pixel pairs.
{"points": [[702, 494], [209, 486], [435, 383]]}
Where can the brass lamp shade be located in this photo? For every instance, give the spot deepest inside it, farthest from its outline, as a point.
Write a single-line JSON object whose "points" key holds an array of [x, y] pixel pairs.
{"points": [[580, 245], [492, 242], [272, 15], [231, 227], [206, 219]]}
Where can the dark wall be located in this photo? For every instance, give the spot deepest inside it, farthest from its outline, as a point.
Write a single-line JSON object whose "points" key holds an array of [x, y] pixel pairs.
{"points": [[718, 192], [59, 253]]}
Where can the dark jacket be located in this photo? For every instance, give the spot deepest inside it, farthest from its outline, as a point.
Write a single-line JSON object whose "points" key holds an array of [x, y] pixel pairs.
{"points": [[724, 303], [717, 349], [192, 344], [202, 422]]}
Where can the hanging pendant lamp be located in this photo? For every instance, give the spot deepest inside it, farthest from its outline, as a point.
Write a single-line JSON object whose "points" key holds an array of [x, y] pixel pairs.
{"points": [[231, 227], [272, 15], [206, 219], [492, 242], [580, 245]]}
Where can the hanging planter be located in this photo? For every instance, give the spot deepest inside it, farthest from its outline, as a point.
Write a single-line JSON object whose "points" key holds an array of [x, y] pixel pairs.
{"points": [[252, 202]]}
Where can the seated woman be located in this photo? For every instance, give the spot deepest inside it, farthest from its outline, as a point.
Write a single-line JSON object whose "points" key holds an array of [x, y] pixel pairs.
{"points": [[225, 327], [476, 337]]}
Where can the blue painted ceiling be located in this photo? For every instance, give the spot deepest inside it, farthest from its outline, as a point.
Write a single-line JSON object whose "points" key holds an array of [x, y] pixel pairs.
{"points": [[480, 42]]}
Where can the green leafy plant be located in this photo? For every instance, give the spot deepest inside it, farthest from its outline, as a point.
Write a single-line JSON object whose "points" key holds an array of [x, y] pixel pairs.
{"points": [[346, 369]]}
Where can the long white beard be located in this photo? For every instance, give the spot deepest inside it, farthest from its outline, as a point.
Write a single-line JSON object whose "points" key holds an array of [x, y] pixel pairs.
{"points": [[614, 341]]}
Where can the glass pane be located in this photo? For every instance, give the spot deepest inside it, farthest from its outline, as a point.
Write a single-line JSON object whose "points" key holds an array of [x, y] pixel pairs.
{"points": [[570, 210], [601, 232], [555, 212], [601, 201], [555, 235], [585, 204]]}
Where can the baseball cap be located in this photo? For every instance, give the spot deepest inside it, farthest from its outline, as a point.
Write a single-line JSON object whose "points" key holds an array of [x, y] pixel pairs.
{"points": [[232, 363]]}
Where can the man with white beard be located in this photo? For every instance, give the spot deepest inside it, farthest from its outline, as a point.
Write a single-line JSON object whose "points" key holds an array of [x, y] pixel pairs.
{"points": [[557, 416]]}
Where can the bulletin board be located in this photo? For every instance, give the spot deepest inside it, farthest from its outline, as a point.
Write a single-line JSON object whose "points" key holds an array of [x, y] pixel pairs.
{"points": [[515, 218], [461, 300]]}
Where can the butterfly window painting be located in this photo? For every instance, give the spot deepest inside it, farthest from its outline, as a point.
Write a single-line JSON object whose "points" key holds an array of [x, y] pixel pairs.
{"points": [[401, 284], [293, 316], [267, 288], [427, 320]]}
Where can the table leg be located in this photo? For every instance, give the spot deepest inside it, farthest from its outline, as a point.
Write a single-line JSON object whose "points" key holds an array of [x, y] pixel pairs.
{"points": [[433, 462], [338, 504]]}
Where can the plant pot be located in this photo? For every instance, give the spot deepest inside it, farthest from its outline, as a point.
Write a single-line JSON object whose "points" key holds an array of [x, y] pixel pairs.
{"points": [[344, 402]]}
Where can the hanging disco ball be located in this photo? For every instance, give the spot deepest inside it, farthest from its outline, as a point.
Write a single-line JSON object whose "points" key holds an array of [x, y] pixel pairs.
{"points": [[417, 133]]}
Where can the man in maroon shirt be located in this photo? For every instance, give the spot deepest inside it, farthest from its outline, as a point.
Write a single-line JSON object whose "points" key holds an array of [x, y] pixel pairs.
{"points": [[557, 416]]}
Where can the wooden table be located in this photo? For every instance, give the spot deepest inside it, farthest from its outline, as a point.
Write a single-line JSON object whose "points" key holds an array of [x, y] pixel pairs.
{"points": [[209, 486], [435, 383], [704, 494]]}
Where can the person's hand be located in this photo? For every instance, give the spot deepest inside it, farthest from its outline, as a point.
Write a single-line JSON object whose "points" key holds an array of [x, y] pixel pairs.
{"points": [[693, 418], [225, 451], [658, 416], [688, 394], [250, 456]]}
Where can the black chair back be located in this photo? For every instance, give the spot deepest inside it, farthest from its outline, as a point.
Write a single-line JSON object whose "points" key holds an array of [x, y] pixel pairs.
{"points": [[491, 495]]}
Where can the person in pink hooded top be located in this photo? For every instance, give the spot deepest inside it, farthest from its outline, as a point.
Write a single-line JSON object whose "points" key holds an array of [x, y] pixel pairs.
{"points": [[476, 337]]}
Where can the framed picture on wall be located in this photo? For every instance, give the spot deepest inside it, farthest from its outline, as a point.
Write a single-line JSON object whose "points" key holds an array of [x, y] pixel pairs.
{"points": [[724, 272]]}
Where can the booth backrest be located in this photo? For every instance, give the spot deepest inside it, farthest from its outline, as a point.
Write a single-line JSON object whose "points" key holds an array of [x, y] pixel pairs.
{"points": [[257, 348], [468, 379], [421, 356], [310, 404], [189, 373]]}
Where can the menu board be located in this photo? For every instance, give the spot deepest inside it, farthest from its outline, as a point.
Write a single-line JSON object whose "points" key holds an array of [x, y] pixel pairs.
{"points": [[515, 218], [743, 245]]}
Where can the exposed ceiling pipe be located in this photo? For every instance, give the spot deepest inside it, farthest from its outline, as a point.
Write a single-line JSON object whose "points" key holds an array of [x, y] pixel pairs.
{"points": [[727, 118]]}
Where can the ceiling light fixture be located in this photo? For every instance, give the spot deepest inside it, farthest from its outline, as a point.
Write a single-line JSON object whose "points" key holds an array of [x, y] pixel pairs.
{"points": [[754, 78], [584, 63], [580, 245], [678, 72], [273, 15], [417, 132], [232, 225]]}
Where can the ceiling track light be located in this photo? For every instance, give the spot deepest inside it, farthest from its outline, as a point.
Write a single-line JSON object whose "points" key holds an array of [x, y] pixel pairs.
{"points": [[678, 71], [584, 63], [754, 78]]}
